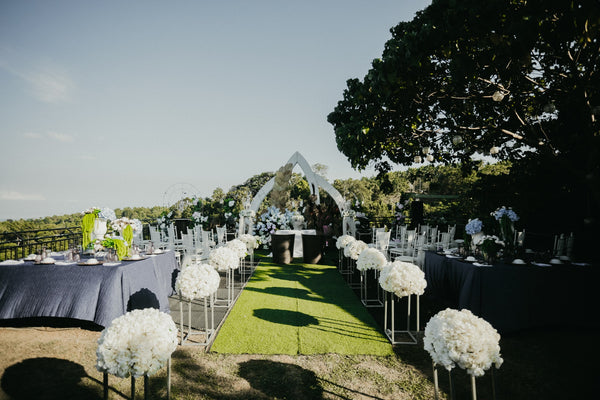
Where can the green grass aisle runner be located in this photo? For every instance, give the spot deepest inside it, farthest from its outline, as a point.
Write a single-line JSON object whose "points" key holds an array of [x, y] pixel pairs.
{"points": [[299, 309]]}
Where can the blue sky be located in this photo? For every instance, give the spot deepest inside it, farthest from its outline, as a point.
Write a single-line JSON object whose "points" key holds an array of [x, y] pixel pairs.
{"points": [[112, 103]]}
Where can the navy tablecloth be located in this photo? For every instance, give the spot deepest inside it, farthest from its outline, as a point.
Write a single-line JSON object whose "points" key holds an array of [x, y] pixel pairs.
{"points": [[92, 293], [515, 297]]}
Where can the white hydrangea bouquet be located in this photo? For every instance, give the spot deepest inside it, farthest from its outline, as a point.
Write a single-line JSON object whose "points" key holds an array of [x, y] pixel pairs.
{"points": [[402, 279], [223, 259], [137, 343], [238, 247], [197, 281], [250, 241], [460, 338], [370, 258], [354, 248], [343, 241]]}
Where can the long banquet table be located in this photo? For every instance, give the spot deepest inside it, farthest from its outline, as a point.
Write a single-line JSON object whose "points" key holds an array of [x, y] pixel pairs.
{"points": [[516, 297], [97, 293]]}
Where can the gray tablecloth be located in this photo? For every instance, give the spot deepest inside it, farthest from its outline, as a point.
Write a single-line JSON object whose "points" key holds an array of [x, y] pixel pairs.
{"points": [[515, 297], [92, 293]]}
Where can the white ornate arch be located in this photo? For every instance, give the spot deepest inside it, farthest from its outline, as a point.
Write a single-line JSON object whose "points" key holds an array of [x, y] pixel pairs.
{"points": [[315, 182]]}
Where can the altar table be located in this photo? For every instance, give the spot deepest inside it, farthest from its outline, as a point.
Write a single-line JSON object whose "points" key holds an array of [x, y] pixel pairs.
{"points": [[297, 238], [97, 293], [516, 297]]}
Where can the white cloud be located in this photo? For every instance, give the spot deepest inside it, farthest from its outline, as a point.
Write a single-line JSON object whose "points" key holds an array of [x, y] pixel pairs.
{"points": [[32, 135], [61, 137], [48, 83], [13, 195]]}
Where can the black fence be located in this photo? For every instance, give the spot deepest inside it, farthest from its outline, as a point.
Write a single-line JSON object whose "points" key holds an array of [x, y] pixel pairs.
{"points": [[15, 245]]}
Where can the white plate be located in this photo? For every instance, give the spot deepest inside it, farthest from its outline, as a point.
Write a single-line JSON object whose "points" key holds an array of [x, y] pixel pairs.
{"points": [[470, 258], [518, 261]]}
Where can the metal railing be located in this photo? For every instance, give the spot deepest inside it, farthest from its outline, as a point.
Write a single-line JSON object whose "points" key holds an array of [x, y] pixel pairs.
{"points": [[15, 245]]}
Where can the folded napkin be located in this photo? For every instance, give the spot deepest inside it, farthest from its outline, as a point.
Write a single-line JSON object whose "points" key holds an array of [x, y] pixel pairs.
{"points": [[12, 262], [65, 263], [541, 264], [582, 264], [481, 265], [451, 256], [111, 264]]}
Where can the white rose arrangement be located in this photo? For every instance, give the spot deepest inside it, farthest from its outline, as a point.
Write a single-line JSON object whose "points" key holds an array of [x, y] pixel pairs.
{"points": [[223, 259], [197, 281], [460, 338], [343, 241], [238, 247], [402, 279], [137, 343], [370, 258], [354, 248]]}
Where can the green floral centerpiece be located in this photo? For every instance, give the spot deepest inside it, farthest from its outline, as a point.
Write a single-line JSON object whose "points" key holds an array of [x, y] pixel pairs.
{"points": [[118, 245], [93, 224]]}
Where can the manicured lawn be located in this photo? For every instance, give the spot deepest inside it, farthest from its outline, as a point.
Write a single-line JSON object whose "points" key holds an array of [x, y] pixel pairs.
{"points": [[299, 309]]}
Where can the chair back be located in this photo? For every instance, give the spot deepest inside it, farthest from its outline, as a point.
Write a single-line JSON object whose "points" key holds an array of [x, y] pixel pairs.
{"points": [[382, 241]]}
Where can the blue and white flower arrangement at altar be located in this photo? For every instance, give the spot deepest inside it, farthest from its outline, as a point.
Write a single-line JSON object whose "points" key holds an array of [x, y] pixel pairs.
{"points": [[460, 338], [270, 221], [137, 343], [197, 281]]}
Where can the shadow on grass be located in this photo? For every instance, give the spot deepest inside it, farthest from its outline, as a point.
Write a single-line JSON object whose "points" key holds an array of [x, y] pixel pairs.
{"points": [[48, 378], [285, 317], [281, 380]]}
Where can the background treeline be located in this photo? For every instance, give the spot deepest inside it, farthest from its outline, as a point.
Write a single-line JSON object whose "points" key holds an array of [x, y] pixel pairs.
{"points": [[449, 197]]}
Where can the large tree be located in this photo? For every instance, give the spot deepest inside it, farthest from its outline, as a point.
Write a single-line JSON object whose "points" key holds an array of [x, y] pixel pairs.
{"points": [[517, 80]]}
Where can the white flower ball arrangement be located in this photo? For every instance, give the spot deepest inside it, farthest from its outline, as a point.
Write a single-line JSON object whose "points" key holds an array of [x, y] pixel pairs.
{"points": [[370, 258], [354, 248], [197, 281], [402, 279], [250, 241], [238, 247], [343, 241], [137, 343], [460, 338], [223, 259]]}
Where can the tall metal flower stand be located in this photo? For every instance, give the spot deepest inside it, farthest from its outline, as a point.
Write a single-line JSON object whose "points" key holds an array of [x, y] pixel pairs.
{"points": [[348, 268], [451, 385], [368, 298], [146, 384], [242, 269], [390, 317], [208, 330], [227, 300]]}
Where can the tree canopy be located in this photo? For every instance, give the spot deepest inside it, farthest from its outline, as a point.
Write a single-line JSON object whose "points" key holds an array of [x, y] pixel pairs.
{"points": [[517, 80]]}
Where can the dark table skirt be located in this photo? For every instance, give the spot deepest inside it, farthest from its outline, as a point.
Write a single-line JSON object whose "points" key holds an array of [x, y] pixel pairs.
{"points": [[515, 297]]}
